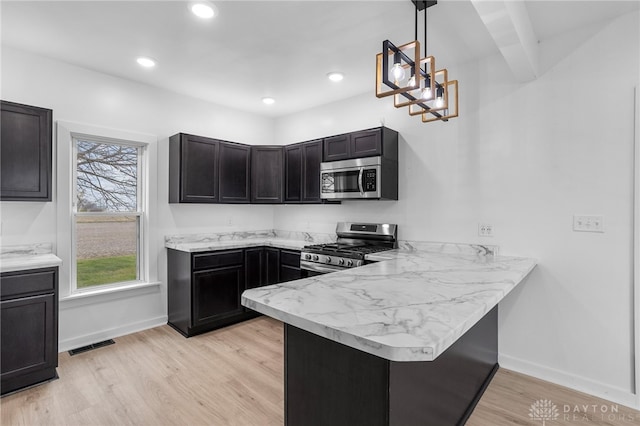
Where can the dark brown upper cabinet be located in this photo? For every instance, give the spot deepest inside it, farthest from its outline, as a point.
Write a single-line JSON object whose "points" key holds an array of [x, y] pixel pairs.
{"points": [[25, 152], [235, 173], [205, 170], [193, 169], [293, 173], [337, 148], [302, 172], [311, 159], [379, 141], [267, 174]]}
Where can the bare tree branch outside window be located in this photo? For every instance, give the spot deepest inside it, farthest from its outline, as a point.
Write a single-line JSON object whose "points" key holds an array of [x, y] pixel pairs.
{"points": [[107, 177]]}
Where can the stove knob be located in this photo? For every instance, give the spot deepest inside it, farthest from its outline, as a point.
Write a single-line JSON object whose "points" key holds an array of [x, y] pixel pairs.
{"points": [[316, 257], [341, 262], [307, 256], [350, 263], [328, 260]]}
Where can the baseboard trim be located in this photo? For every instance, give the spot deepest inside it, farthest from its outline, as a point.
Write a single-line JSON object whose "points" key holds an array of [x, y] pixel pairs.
{"points": [[111, 333], [580, 384]]}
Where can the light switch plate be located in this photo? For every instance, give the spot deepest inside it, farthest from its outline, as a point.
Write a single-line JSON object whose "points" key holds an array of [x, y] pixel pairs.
{"points": [[588, 223]]}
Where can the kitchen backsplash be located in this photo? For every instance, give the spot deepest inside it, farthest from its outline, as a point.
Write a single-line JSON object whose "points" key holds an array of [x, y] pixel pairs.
{"points": [[309, 237], [454, 248], [25, 250]]}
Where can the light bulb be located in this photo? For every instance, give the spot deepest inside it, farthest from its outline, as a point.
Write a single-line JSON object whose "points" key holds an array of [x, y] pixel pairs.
{"points": [[412, 81], [397, 71], [426, 93], [439, 97]]}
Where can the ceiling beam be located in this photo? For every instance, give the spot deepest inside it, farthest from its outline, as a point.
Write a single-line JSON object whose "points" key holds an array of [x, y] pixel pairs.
{"points": [[509, 24]]}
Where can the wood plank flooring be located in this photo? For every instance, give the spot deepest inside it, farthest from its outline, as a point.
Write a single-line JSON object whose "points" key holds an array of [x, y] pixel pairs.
{"points": [[234, 376]]}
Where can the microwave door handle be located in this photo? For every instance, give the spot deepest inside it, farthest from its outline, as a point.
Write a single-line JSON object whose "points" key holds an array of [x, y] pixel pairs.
{"points": [[360, 185]]}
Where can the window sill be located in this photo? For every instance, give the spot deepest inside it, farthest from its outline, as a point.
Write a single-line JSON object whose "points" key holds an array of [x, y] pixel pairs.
{"points": [[108, 294]]}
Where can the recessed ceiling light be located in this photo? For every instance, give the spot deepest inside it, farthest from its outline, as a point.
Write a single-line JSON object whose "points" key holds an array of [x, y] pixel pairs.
{"points": [[146, 62], [203, 10], [335, 76], [268, 101]]}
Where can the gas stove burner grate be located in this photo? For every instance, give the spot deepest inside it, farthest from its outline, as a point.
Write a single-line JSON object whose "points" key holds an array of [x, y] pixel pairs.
{"points": [[355, 241]]}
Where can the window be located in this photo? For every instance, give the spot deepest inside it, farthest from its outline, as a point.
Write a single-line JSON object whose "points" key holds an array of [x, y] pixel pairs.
{"points": [[108, 213]]}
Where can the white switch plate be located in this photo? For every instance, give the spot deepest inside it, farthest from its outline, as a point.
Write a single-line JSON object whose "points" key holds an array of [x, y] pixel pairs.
{"points": [[588, 223], [485, 230]]}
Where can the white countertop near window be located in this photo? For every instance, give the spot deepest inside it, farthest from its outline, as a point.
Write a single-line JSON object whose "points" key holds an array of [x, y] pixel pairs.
{"points": [[28, 256], [410, 306]]}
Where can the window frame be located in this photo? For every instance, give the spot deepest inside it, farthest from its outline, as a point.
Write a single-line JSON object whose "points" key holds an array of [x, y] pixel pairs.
{"points": [[66, 131], [140, 212]]}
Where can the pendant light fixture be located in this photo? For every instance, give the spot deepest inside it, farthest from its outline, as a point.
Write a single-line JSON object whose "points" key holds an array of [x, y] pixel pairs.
{"points": [[413, 81]]}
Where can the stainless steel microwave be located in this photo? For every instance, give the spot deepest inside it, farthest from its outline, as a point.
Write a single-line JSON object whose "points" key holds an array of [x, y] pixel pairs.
{"points": [[360, 178]]}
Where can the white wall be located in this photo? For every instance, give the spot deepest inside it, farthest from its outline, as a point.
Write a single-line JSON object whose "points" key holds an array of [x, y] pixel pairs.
{"points": [[525, 158], [80, 95]]}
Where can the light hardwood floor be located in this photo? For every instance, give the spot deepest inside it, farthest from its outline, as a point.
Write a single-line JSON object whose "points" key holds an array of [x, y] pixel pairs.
{"points": [[234, 376]]}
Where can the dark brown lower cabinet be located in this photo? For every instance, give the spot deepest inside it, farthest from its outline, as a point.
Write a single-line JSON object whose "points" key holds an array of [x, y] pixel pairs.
{"points": [[204, 289], [272, 265], [289, 265], [217, 294], [365, 390], [28, 328], [254, 267]]}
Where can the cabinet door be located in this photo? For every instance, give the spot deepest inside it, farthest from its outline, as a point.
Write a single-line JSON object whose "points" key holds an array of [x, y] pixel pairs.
{"points": [[273, 266], [25, 152], [337, 148], [289, 265], [289, 273], [311, 159], [254, 267], [367, 143], [267, 173], [28, 332], [234, 173], [193, 169], [216, 294], [293, 173]]}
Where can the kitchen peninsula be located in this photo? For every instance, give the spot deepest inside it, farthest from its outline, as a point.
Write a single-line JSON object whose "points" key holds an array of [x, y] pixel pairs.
{"points": [[410, 339]]}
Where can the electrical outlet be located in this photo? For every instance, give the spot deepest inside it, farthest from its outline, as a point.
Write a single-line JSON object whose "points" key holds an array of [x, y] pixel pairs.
{"points": [[588, 223], [485, 230]]}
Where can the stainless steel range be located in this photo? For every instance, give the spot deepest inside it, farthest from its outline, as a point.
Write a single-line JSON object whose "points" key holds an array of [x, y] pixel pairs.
{"points": [[355, 241]]}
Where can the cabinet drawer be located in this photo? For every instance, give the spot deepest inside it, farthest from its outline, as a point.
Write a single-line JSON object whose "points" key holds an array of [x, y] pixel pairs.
{"points": [[218, 259], [14, 284], [290, 258]]}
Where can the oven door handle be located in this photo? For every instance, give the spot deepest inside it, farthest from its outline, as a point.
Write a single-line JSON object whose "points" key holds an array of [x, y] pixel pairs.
{"points": [[317, 267], [360, 184]]}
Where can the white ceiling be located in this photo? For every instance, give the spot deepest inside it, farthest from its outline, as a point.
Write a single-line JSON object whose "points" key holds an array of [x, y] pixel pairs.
{"points": [[253, 49]]}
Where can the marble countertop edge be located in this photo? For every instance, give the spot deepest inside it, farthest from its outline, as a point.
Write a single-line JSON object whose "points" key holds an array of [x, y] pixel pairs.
{"points": [[27, 262]]}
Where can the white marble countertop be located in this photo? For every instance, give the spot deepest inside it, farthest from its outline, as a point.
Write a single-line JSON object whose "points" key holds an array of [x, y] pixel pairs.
{"points": [[192, 243], [410, 306], [30, 256]]}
